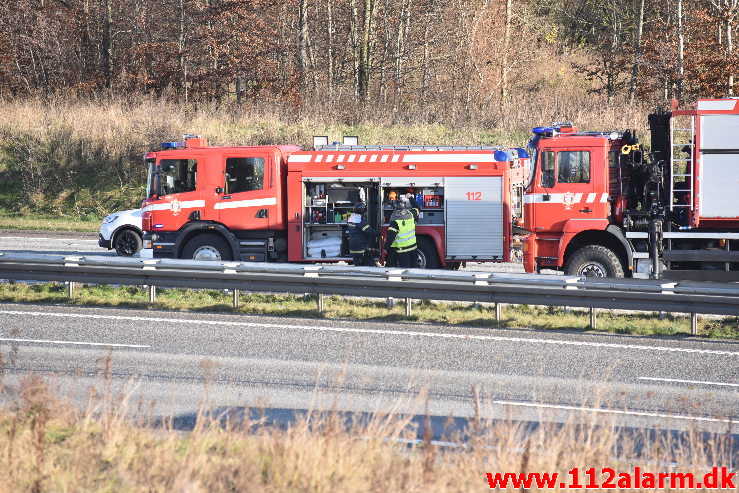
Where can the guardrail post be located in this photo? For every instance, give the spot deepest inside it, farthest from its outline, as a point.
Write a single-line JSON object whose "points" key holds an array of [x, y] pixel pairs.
{"points": [[236, 298], [497, 311], [694, 324], [592, 318], [319, 302], [390, 303], [72, 261], [408, 305], [152, 293]]}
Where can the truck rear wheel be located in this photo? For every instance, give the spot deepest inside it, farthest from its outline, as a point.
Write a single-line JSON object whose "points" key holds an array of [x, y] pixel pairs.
{"points": [[426, 251], [207, 247], [594, 261]]}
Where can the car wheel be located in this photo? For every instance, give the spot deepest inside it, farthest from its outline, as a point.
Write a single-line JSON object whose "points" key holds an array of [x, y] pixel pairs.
{"points": [[594, 261], [207, 247], [426, 251], [127, 242]]}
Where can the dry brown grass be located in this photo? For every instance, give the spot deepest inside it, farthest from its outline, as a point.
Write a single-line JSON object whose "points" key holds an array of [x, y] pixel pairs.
{"points": [[46, 444], [83, 158]]}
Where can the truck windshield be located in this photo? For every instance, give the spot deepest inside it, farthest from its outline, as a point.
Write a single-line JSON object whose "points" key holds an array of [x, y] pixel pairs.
{"points": [[151, 174], [174, 176]]}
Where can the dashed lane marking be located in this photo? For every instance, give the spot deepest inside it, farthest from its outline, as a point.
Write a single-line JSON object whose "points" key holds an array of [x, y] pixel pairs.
{"points": [[75, 343], [353, 330], [696, 382]]}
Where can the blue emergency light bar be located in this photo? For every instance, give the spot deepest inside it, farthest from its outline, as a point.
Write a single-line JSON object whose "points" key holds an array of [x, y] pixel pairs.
{"points": [[522, 153], [172, 145]]}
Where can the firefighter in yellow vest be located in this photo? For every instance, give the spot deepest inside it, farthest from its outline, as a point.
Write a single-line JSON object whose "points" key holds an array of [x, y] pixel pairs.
{"points": [[401, 233]]}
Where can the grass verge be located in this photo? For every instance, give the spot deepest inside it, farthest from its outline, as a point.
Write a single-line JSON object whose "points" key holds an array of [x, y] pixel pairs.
{"points": [[48, 223], [337, 307], [46, 444]]}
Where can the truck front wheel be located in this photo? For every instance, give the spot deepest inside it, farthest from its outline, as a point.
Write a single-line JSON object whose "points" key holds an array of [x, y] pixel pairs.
{"points": [[594, 261], [207, 247]]}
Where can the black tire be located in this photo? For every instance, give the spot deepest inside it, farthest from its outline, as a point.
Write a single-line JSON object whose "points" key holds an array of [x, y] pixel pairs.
{"points": [[127, 242], [207, 247], [426, 251], [594, 261]]}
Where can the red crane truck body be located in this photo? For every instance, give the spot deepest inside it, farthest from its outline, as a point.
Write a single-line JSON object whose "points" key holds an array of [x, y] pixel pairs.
{"points": [[281, 203], [595, 204]]}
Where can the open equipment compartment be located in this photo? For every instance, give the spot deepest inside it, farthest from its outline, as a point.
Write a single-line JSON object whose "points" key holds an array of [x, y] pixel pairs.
{"points": [[327, 205]]}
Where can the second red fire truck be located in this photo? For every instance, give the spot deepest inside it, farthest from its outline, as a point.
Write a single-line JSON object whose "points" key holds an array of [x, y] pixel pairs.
{"points": [[597, 205]]}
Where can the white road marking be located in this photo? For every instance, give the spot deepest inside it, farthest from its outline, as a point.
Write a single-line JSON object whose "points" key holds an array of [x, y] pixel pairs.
{"points": [[376, 331], [47, 239], [75, 343], [697, 382], [613, 411]]}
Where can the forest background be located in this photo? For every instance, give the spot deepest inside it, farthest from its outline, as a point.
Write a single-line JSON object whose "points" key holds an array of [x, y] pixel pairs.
{"points": [[87, 86]]}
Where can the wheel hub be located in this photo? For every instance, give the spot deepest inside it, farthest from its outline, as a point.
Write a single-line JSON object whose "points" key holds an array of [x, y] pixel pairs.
{"points": [[206, 252], [593, 269]]}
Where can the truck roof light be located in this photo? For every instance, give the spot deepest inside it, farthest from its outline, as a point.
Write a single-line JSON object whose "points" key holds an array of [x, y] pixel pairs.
{"points": [[542, 130], [502, 155], [172, 145], [522, 153], [320, 140], [350, 140], [614, 136]]}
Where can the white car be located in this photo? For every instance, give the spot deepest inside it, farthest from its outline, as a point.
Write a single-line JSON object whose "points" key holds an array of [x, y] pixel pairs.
{"points": [[122, 231]]}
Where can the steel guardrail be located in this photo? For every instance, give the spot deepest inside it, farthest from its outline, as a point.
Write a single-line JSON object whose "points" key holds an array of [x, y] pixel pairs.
{"points": [[531, 289]]}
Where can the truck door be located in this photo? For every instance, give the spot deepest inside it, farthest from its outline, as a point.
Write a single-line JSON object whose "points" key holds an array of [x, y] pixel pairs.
{"points": [[248, 198], [566, 189]]}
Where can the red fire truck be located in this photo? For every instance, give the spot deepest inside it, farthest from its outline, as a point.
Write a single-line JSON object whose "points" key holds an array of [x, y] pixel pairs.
{"points": [[596, 204], [281, 203]]}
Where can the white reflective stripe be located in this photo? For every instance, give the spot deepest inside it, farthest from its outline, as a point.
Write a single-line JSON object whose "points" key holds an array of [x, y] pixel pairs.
{"points": [[604, 198], [537, 198], [578, 198], [405, 236], [396, 158], [722, 105], [362, 158], [352, 157], [436, 157], [319, 158], [299, 158], [167, 206], [329, 158], [591, 198], [373, 158], [340, 159], [384, 158], [246, 203]]}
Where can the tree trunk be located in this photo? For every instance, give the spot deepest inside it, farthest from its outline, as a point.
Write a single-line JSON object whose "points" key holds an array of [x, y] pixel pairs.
{"points": [[504, 61], [637, 52], [302, 61], [364, 53], [680, 51], [107, 43]]}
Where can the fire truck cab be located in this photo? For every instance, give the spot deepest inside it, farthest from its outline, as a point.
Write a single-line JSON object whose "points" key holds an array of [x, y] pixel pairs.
{"points": [[597, 205]]}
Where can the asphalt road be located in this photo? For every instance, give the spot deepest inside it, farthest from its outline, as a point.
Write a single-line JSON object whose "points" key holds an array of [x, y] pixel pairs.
{"points": [[288, 365]]}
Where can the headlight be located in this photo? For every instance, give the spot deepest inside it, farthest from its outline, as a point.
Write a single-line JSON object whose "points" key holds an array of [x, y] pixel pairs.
{"points": [[110, 219]]}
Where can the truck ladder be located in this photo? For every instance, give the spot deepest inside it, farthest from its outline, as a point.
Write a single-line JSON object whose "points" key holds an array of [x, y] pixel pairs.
{"points": [[681, 169]]}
